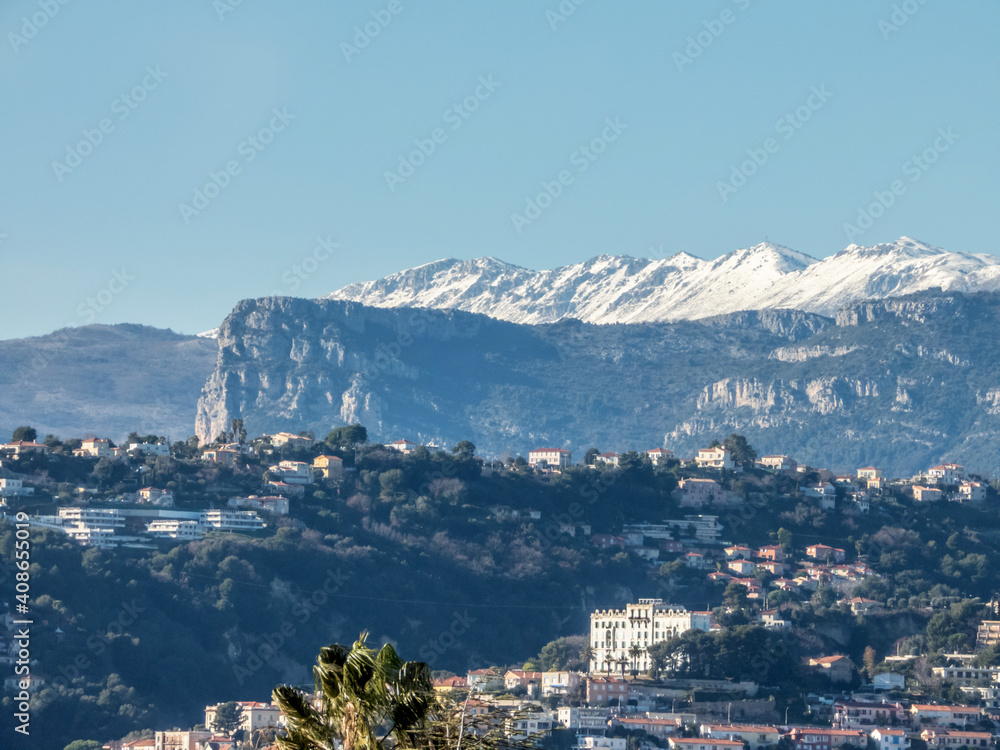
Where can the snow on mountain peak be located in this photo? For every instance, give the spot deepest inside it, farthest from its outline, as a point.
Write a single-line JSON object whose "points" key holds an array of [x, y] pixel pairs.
{"points": [[775, 256], [623, 289], [903, 247]]}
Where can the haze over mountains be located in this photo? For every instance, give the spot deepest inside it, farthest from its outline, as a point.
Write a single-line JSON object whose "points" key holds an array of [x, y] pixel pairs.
{"points": [[875, 363], [622, 289], [104, 381]]}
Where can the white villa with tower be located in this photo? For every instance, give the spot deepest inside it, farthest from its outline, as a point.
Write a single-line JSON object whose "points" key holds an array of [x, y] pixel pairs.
{"points": [[613, 632]]}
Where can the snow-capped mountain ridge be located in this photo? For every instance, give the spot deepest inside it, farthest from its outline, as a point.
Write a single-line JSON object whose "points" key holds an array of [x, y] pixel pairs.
{"points": [[624, 289]]}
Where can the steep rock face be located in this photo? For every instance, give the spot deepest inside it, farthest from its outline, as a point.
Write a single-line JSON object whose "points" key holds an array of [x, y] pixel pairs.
{"points": [[621, 289], [897, 383]]}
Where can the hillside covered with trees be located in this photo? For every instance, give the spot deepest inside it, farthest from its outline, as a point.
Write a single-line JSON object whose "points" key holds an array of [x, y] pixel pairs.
{"points": [[459, 563]]}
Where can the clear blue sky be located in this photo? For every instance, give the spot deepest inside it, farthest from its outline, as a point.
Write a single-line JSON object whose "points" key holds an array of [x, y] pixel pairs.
{"points": [[885, 87]]}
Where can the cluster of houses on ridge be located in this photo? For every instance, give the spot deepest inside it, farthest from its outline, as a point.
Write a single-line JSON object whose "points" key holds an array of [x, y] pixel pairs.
{"points": [[941, 482], [289, 477]]}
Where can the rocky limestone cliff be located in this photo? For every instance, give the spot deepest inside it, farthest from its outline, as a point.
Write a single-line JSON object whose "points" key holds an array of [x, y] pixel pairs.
{"points": [[898, 383]]}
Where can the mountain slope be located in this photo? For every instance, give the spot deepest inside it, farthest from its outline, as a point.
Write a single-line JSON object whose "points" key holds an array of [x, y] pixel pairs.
{"points": [[104, 380], [621, 289], [897, 383]]}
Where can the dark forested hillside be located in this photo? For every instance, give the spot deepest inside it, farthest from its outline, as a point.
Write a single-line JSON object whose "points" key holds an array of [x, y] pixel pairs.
{"points": [[458, 564]]}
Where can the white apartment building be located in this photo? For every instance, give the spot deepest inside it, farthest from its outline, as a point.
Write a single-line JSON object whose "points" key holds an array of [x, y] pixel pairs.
{"points": [[556, 457], [613, 632], [232, 520], [14, 487], [530, 724], [972, 492], [91, 536], [104, 517], [150, 449], [947, 473], [967, 675], [715, 458], [270, 503], [584, 719], [705, 528], [175, 528]]}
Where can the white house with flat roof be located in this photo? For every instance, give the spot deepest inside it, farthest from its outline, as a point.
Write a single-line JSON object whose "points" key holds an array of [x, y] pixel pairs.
{"points": [[554, 457], [149, 449], [972, 492], [14, 488], [175, 528], [275, 504]]}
